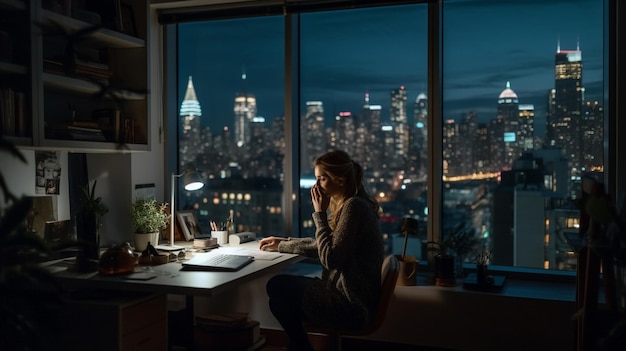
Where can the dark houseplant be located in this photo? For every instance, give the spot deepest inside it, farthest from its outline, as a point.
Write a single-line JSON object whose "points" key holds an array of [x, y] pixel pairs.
{"points": [[29, 295], [449, 253], [88, 225], [603, 228]]}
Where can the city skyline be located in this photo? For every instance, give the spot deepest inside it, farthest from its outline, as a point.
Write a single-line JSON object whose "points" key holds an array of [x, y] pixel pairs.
{"points": [[470, 86]]}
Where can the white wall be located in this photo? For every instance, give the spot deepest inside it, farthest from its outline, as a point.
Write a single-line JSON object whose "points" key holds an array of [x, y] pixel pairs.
{"points": [[20, 179]]}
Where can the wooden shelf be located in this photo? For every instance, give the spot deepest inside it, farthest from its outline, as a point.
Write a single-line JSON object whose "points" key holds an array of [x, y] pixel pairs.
{"points": [[7, 67], [12, 5], [111, 73], [76, 85], [103, 36]]}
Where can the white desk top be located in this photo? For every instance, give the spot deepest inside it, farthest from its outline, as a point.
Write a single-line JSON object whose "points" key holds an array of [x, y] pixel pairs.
{"points": [[170, 279]]}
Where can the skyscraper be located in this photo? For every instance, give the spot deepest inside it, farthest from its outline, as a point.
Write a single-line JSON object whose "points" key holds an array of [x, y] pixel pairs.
{"points": [[190, 110], [398, 114], [508, 113], [566, 118], [371, 124], [526, 135], [312, 131], [245, 111], [190, 143], [419, 136]]}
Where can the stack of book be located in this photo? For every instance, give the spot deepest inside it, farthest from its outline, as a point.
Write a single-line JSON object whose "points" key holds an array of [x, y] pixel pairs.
{"points": [[227, 331], [205, 243], [76, 130]]}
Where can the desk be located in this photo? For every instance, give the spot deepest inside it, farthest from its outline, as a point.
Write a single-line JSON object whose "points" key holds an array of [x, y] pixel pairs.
{"points": [[170, 279]]}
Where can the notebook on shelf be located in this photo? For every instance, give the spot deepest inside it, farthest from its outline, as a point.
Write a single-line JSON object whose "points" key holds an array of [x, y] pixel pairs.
{"points": [[216, 262]]}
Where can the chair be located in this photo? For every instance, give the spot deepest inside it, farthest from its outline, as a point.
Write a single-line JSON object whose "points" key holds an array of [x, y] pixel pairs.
{"points": [[389, 276]]}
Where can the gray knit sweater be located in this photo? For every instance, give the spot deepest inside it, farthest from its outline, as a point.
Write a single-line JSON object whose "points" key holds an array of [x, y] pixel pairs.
{"points": [[351, 257]]}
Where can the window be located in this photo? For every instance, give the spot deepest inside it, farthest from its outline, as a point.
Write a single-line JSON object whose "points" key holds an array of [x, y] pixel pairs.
{"points": [[363, 79], [231, 120], [523, 121], [521, 116]]}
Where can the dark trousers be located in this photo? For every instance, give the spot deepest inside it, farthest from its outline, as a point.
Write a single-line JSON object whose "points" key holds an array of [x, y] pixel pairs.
{"points": [[286, 293]]}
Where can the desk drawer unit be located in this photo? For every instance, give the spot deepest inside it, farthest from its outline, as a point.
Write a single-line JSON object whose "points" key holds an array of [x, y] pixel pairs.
{"points": [[114, 321]]}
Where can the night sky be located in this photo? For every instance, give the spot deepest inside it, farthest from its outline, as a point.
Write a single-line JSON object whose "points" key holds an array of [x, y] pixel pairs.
{"points": [[345, 54]]}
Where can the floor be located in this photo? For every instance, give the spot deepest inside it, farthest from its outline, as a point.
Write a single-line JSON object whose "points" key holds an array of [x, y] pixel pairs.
{"points": [[276, 342]]}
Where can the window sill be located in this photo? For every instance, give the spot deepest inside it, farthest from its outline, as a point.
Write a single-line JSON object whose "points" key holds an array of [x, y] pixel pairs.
{"points": [[514, 288], [518, 284]]}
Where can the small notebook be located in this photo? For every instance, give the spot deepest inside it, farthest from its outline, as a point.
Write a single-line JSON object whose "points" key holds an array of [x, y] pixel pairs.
{"points": [[216, 262]]}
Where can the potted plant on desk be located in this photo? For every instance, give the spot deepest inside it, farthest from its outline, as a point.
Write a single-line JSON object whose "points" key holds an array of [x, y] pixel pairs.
{"points": [[148, 218], [88, 228]]}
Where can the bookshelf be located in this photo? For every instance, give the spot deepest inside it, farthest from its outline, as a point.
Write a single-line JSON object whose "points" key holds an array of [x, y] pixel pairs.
{"points": [[64, 62]]}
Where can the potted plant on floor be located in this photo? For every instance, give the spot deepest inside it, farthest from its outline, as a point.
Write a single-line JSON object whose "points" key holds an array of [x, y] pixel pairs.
{"points": [[148, 218]]}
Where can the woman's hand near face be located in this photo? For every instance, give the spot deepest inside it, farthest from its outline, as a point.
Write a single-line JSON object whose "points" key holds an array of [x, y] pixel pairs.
{"points": [[319, 199], [270, 243]]}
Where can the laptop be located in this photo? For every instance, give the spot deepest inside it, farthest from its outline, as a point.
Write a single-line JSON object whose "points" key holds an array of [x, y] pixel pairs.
{"points": [[216, 262]]}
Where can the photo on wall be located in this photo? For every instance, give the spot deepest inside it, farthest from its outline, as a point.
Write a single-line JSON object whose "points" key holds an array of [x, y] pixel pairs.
{"points": [[47, 172]]}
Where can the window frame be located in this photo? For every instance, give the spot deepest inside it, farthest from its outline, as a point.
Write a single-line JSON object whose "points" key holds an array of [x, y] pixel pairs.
{"points": [[168, 17]]}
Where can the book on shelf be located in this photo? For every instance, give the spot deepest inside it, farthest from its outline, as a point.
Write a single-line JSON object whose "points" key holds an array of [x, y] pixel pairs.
{"points": [[12, 105], [129, 131], [75, 130], [109, 120]]}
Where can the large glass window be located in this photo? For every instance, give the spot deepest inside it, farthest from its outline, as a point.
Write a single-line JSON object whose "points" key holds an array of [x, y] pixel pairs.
{"points": [[231, 120], [363, 80], [523, 120]]}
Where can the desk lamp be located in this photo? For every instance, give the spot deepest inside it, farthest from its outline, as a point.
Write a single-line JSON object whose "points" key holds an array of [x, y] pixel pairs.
{"points": [[192, 182]]}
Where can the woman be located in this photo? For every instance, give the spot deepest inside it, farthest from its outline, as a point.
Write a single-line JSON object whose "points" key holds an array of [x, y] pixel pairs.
{"points": [[348, 243]]}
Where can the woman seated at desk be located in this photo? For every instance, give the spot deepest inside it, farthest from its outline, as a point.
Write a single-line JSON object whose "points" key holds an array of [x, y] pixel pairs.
{"points": [[349, 245]]}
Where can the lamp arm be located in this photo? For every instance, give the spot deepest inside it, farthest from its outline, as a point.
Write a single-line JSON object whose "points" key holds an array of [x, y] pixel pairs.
{"points": [[172, 207]]}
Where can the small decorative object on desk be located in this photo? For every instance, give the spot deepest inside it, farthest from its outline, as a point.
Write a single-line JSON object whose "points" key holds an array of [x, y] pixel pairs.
{"points": [[151, 256], [205, 243], [231, 223], [482, 280], [119, 259], [482, 262], [408, 264]]}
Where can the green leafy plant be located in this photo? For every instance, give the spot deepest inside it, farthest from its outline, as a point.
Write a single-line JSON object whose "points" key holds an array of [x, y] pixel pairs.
{"points": [[91, 203], [482, 258], [148, 216]]}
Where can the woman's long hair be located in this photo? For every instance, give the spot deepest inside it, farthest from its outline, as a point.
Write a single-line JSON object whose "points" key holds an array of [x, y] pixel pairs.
{"points": [[338, 166]]}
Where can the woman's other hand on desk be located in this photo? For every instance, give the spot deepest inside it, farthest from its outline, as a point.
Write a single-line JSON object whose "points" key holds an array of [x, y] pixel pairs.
{"points": [[270, 243]]}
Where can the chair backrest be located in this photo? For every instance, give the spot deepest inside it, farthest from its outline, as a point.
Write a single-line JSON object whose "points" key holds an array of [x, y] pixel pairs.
{"points": [[389, 276]]}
